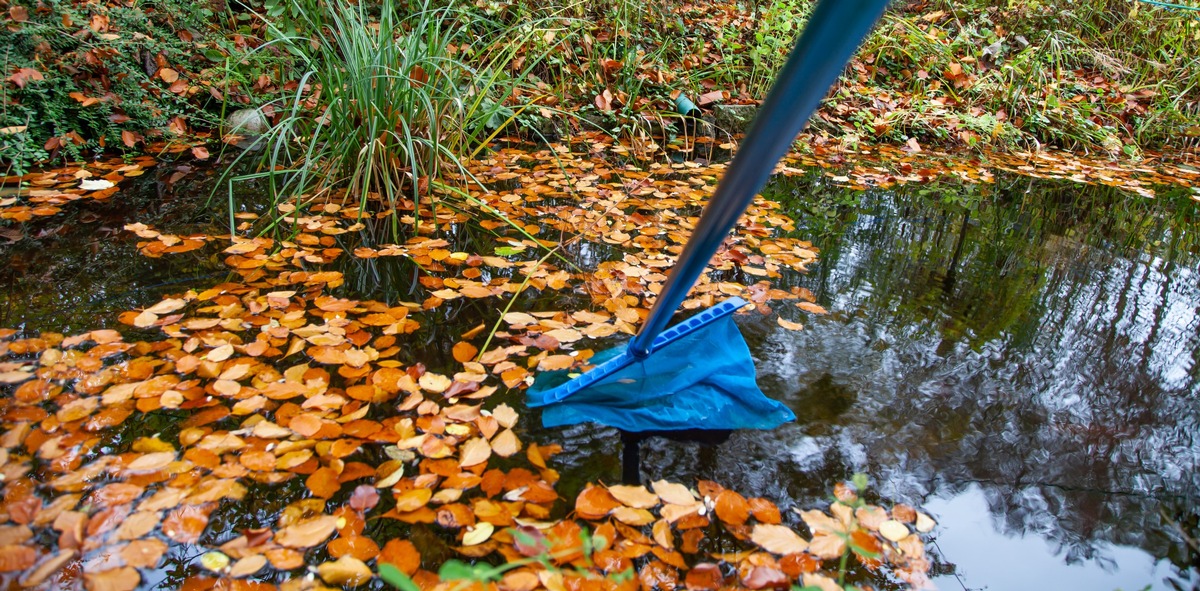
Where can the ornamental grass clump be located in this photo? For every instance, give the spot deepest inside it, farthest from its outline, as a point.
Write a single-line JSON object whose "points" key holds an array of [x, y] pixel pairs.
{"points": [[389, 107]]}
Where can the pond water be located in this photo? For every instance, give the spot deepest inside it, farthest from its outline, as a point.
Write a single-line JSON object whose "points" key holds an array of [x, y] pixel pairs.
{"points": [[1020, 359]]}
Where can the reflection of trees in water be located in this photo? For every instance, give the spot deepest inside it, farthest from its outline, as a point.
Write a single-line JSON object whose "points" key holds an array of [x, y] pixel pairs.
{"points": [[1028, 345]]}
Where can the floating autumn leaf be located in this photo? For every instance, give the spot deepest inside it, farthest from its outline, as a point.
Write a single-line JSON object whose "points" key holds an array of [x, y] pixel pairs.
{"points": [[478, 534], [762, 577], [402, 554], [811, 307], [151, 462], [345, 571], [925, 523], [125, 578], [307, 533], [474, 451], [778, 539], [634, 496], [48, 567], [464, 351], [673, 493], [594, 503], [15, 558], [215, 561], [732, 507], [788, 324], [506, 444], [247, 566], [95, 184], [893, 530]]}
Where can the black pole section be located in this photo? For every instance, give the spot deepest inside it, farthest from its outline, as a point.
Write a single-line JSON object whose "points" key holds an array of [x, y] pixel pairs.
{"points": [[631, 458]]}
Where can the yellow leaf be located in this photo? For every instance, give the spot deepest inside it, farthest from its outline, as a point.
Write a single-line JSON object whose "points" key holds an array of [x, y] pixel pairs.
{"points": [[893, 530], [346, 570], [478, 534], [674, 493]]}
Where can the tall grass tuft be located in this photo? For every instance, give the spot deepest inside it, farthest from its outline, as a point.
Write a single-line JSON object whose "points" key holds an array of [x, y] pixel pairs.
{"points": [[388, 106]]}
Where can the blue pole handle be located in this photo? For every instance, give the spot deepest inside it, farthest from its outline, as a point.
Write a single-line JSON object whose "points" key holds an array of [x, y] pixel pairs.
{"points": [[830, 38]]}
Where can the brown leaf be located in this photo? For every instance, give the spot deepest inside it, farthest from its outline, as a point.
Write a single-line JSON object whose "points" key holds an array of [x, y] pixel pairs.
{"points": [[185, 524], [762, 577], [168, 75], [705, 576], [51, 565], [144, 553]]}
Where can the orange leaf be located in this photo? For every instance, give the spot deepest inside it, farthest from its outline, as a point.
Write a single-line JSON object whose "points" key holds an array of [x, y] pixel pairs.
{"points": [[464, 351], [732, 508], [168, 75], [402, 554], [15, 558], [705, 576], [411, 500], [125, 578], [360, 547], [594, 503], [323, 482], [306, 424], [765, 511]]}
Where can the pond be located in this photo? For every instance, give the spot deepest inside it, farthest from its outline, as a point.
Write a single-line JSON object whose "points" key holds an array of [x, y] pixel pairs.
{"points": [[1020, 359]]}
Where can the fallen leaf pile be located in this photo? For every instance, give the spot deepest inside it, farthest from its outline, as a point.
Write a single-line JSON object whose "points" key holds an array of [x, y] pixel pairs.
{"points": [[46, 192]]}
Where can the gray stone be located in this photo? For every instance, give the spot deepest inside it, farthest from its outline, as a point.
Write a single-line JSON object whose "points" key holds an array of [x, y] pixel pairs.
{"points": [[734, 118], [247, 122]]}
